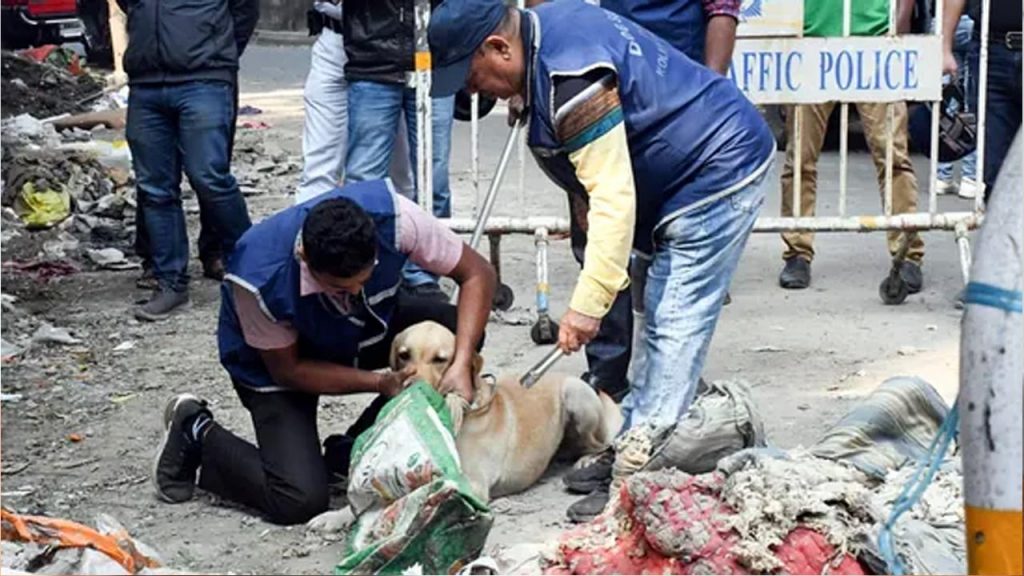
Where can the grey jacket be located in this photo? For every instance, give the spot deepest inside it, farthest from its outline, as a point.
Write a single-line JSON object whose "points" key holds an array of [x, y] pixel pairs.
{"points": [[173, 41]]}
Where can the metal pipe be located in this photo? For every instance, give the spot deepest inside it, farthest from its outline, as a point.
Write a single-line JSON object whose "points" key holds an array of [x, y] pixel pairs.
{"points": [[933, 164], [890, 126], [798, 165], [910, 221], [543, 289], [492, 190], [979, 198], [474, 138], [424, 129], [539, 369], [991, 373], [844, 124]]}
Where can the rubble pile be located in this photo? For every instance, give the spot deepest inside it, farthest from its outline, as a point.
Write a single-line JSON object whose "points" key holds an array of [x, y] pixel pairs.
{"points": [[261, 166], [43, 90]]}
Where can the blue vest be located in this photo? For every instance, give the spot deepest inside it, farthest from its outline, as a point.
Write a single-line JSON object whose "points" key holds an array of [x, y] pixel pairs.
{"points": [[681, 23], [265, 263], [692, 134]]}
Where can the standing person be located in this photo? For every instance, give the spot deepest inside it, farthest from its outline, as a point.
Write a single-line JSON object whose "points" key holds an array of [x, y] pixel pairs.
{"points": [[182, 66], [325, 131], [681, 182], [309, 308], [868, 18], [968, 186], [379, 42], [1003, 94], [704, 30]]}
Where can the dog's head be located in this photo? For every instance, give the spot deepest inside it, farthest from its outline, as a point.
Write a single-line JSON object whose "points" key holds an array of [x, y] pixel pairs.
{"points": [[428, 347]]}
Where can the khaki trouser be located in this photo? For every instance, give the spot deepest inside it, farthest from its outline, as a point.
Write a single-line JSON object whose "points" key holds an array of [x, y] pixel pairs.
{"points": [[904, 184]]}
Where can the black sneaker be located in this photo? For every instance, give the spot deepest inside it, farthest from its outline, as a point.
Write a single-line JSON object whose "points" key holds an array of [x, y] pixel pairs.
{"points": [[796, 275], [213, 268], [179, 455], [430, 291], [912, 276], [161, 304], [591, 476], [586, 509], [338, 458]]}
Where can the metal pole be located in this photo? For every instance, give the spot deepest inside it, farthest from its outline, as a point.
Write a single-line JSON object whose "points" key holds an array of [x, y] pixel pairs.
{"points": [[979, 198], [424, 137], [474, 136], [521, 182], [798, 164], [844, 126], [933, 165], [890, 126], [541, 240], [991, 376], [492, 191]]}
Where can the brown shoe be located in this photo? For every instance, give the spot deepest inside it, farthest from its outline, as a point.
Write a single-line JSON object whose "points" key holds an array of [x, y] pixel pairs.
{"points": [[213, 268], [147, 281]]}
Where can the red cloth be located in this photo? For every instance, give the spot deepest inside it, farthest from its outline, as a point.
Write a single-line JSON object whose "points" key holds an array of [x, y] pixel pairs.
{"points": [[671, 524]]}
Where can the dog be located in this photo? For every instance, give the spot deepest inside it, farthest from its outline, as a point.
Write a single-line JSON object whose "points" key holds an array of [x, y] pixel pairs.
{"points": [[507, 438]]}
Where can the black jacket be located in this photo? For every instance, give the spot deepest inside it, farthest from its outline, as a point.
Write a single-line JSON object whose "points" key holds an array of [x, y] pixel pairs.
{"points": [[182, 40], [379, 39]]}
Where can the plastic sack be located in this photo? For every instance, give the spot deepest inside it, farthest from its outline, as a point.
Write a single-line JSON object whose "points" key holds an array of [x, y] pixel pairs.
{"points": [[42, 208], [436, 526], [409, 446]]}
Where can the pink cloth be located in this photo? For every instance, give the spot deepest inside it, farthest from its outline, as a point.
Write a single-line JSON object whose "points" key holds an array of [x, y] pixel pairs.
{"points": [[427, 243]]}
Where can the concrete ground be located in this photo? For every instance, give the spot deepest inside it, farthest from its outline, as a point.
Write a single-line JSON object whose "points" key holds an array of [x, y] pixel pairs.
{"points": [[809, 356]]}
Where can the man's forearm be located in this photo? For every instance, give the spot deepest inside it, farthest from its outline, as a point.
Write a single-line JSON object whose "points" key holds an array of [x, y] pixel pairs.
{"points": [[476, 291], [952, 10], [719, 42], [245, 14], [319, 377]]}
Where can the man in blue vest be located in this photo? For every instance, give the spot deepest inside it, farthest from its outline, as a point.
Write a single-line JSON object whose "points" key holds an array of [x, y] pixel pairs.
{"points": [[309, 307], [670, 159], [704, 30]]}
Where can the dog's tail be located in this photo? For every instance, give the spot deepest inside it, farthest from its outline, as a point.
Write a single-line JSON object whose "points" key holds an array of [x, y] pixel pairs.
{"points": [[611, 415]]}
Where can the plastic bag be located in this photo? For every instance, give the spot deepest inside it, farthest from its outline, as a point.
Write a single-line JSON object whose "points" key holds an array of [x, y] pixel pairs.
{"points": [[42, 208]]}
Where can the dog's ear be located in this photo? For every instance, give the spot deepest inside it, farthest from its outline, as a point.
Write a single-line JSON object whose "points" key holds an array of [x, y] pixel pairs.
{"points": [[478, 365]]}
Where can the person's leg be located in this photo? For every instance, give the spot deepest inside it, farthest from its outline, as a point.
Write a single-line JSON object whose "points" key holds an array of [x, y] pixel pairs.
{"points": [[874, 119], [400, 170], [441, 131], [800, 245], [968, 81], [1003, 112], [285, 478], [325, 132], [694, 261], [372, 119], [153, 136], [207, 113]]}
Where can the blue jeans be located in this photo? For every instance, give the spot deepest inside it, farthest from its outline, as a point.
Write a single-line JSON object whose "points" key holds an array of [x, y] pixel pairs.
{"points": [[1003, 112], [695, 256], [961, 50], [373, 112], [184, 126]]}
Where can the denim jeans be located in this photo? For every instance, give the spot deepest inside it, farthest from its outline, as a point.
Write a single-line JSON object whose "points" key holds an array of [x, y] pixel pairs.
{"points": [[184, 126], [695, 256], [374, 110], [1003, 103], [961, 50]]}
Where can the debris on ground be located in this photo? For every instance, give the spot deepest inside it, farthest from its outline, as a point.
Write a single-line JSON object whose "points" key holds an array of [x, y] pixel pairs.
{"points": [[44, 545], [769, 511], [261, 165], [42, 89], [50, 334]]}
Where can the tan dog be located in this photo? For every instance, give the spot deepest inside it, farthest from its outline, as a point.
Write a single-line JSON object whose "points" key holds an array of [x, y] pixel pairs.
{"points": [[509, 436]]}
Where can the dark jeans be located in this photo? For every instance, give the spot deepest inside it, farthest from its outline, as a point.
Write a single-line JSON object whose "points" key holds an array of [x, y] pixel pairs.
{"points": [[285, 478], [186, 126], [1003, 112], [609, 353]]}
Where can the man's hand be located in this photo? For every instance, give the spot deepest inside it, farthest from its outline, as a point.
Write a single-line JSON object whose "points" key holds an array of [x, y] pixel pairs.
{"points": [[515, 109], [459, 379], [391, 384], [949, 65], [575, 330]]}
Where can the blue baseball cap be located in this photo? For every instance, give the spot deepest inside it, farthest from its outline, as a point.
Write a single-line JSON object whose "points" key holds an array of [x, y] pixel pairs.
{"points": [[457, 29]]}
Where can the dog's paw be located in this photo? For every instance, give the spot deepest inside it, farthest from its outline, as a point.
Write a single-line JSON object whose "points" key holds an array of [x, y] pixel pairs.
{"points": [[332, 521]]}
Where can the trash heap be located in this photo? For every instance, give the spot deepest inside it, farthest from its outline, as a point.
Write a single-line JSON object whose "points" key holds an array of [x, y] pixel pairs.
{"points": [[43, 83], [769, 511]]}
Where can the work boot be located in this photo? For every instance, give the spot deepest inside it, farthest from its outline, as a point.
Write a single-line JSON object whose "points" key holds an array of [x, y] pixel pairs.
{"points": [[338, 458], [595, 473], [796, 275], [213, 268], [429, 291], [912, 276], [161, 304], [186, 420], [586, 509], [614, 391]]}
